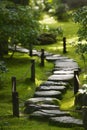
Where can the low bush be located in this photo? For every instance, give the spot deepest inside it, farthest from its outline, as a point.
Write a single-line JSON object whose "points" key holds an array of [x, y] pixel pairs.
{"points": [[50, 36]]}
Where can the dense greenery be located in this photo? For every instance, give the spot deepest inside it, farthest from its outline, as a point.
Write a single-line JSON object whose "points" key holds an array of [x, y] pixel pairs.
{"points": [[74, 4], [18, 24], [81, 19]]}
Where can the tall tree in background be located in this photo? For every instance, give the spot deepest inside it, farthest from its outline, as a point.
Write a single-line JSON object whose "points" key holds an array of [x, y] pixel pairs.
{"points": [[18, 24], [22, 2], [80, 17]]}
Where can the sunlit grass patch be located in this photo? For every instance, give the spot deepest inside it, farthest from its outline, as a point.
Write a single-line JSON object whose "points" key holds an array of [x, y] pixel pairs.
{"points": [[48, 20], [68, 100]]}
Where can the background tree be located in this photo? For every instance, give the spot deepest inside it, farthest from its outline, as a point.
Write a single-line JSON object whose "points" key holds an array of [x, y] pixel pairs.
{"points": [[22, 2], [74, 4], [59, 9], [80, 17], [18, 24]]}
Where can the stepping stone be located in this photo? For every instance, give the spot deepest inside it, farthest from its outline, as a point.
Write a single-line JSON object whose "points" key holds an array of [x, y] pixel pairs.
{"points": [[40, 100], [57, 88], [33, 107], [55, 83], [19, 49], [52, 57], [49, 107], [62, 72], [46, 114], [45, 53], [66, 65], [66, 69], [65, 121], [51, 93], [66, 60], [61, 77]]}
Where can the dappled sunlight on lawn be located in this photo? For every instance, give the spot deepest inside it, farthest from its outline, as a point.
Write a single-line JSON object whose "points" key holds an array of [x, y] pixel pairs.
{"points": [[38, 82], [68, 104], [54, 48], [72, 40], [48, 20]]}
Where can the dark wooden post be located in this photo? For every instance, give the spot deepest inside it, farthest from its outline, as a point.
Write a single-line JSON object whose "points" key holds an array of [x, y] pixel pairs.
{"points": [[15, 99], [64, 45], [76, 82], [42, 57], [33, 70], [84, 111], [30, 49]]}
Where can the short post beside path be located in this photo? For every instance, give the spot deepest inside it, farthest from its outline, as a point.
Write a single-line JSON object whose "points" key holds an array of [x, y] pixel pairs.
{"points": [[42, 57], [15, 99], [33, 70], [64, 45], [76, 82]]}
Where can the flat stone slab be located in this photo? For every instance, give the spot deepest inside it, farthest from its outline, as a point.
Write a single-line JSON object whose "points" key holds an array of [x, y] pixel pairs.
{"points": [[62, 72], [55, 57], [50, 87], [61, 77], [51, 93], [22, 50], [66, 60], [53, 83], [66, 65], [35, 107], [65, 69], [45, 53], [40, 100], [49, 107], [65, 121], [48, 113]]}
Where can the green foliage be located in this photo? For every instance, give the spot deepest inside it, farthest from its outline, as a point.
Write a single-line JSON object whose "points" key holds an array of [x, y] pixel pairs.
{"points": [[2, 67], [74, 4], [48, 5], [18, 24], [81, 49], [50, 35], [23, 2], [80, 96], [3, 70], [80, 16], [61, 12]]}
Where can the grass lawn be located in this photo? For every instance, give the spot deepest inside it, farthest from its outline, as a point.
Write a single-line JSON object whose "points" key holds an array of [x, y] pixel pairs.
{"points": [[19, 66]]}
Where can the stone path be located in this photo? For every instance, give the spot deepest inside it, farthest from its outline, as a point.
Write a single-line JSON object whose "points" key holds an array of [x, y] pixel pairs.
{"points": [[45, 102]]}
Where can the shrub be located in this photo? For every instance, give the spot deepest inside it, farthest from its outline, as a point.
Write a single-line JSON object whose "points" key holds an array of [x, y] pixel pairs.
{"points": [[50, 35], [79, 99], [3, 69], [61, 12], [47, 38]]}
